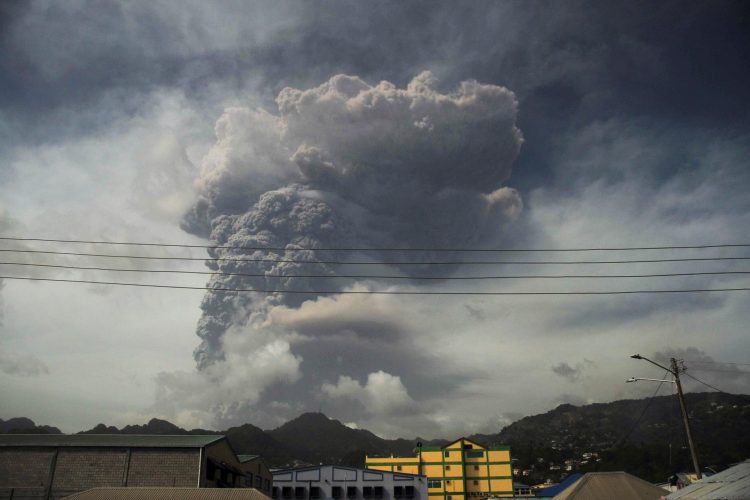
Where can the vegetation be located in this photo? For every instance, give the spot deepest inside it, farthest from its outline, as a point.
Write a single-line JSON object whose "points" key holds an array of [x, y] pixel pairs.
{"points": [[643, 437]]}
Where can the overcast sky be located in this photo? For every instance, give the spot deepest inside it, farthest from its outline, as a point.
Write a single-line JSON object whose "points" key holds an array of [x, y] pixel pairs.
{"points": [[516, 125]]}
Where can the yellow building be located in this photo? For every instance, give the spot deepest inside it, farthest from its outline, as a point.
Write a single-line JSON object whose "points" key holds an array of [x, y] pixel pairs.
{"points": [[461, 470]]}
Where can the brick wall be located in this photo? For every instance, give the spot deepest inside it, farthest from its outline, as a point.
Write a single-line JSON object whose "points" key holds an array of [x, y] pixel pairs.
{"points": [[82, 468], [174, 467], [27, 469], [23, 467]]}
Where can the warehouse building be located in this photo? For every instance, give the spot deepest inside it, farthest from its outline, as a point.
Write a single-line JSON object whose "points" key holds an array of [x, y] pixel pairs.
{"points": [[461, 470], [334, 482], [52, 466]]}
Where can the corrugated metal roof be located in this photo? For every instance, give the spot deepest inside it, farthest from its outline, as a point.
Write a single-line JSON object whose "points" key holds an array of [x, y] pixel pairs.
{"points": [[246, 458], [559, 488], [359, 471], [612, 486], [109, 440], [169, 494], [731, 484]]}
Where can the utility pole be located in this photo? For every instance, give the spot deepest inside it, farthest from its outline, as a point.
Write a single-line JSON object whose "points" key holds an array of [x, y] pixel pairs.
{"points": [[676, 372]]}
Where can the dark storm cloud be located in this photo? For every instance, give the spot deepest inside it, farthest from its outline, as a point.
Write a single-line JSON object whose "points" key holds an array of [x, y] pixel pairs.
{"points": [[572, 373], [566, 371], [566, 59], [698, 364]]}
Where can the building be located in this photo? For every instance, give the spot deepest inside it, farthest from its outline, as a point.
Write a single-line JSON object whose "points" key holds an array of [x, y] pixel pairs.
{"points": [[52, 466], [733, 482], [257, 470], [612, 486], [461, 470], [169, 494], [334, 482]]}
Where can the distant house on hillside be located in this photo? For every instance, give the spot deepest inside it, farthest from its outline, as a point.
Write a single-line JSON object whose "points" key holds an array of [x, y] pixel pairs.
{"points": [[460, 470], [335, 482], [49, 466]]}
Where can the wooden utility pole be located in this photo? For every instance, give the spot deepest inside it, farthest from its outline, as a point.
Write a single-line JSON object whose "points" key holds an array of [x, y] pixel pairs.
{"points": [[676, 372]]}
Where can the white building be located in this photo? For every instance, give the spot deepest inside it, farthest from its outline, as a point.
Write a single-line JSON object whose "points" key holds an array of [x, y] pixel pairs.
{"points": [[346, 483]]}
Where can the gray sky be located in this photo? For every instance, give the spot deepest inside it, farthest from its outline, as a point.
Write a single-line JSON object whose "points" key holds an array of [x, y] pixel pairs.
{"points": [[388, 124]]}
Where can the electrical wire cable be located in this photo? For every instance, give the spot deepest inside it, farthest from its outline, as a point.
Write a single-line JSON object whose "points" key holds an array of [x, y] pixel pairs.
{"points": [[640, 417], [736, 370], [367, 276], [371, 263], [372, 249], [705, 383], [696, 362], [371, 292]]}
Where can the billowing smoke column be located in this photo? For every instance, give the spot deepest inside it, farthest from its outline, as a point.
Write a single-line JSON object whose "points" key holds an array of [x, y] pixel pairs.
{"points": [[348, 165]]}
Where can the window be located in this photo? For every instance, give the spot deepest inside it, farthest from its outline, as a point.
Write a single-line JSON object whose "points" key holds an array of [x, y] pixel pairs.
{"points": [[299, 492], [351, 492], [398, 491], [258, 482], [409, 492], [337, 492], [474, 454], [449, 497], [447, 467], [468, 446], [275, 492], [476, 483], [367, 491], [447, 481], [398, 467], [286, 492], [266, 484], [434, 483], [447, 454], [378, 492], [314, 492], [248, 482]]}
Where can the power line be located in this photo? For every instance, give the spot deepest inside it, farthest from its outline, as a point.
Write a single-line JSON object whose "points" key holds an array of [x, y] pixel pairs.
{"points": [[365, 276], [370, 263], [714, 362], [704, 383], [645, 408], [372, 292], [736, 370], [375, 249]]}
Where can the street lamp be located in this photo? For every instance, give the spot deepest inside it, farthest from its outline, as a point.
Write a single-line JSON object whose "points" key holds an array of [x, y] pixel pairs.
{"points": [[636, 379], [676, 374]]}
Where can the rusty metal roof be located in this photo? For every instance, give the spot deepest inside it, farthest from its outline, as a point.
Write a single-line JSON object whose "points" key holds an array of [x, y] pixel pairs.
{"points": [[612, 486], [109, 440], [169, 494]]}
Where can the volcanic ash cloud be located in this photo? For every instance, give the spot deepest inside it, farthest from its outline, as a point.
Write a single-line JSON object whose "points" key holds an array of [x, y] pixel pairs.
{"points": [[347, 165]]}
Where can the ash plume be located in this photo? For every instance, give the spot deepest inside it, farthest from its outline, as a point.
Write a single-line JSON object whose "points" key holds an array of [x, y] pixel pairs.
{"points": [[345, 165]]}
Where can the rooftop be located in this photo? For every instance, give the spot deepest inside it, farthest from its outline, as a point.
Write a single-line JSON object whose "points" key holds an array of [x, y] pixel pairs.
{"points": [[729, 484], [169, 494], [109, 440]]}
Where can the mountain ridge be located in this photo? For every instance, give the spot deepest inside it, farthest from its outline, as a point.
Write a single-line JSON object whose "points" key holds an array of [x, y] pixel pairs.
{"points": [[630, 434]]}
